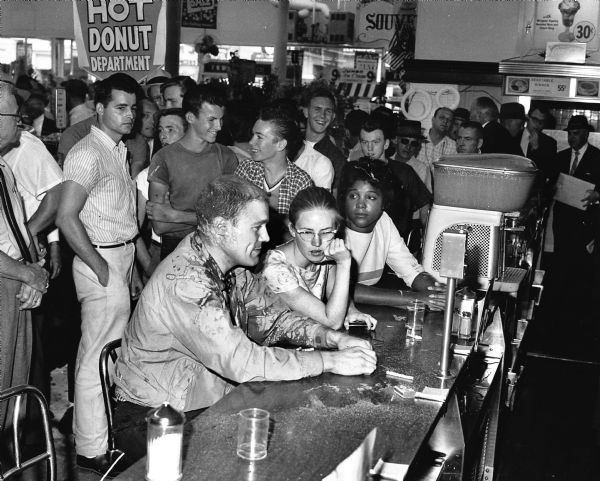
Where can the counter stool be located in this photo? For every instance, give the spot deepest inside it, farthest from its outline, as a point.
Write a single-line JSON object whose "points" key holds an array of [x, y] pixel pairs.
{"points": [[20, 393], [108, 351]]}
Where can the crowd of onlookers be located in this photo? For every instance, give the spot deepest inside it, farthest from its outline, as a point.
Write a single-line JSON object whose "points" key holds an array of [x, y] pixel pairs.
{"points": [[158, 192]]}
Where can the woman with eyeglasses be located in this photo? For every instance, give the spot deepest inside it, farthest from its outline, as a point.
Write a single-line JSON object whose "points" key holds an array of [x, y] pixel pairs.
{"points": [[366, 187], [314, 264]]}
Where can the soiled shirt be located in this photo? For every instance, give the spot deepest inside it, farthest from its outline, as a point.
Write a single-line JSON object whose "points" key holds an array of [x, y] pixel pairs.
{"points": [[100, 167], [188, 339], [383, 245], [294, 181]]}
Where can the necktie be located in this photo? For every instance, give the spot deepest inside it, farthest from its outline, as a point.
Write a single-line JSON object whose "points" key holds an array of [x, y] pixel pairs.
{"points": [[575, 162], [230, 299], [12, 221]]}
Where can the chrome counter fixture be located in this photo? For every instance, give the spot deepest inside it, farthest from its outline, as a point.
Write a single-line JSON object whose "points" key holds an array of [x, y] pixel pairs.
{"points": [[454, 246]]}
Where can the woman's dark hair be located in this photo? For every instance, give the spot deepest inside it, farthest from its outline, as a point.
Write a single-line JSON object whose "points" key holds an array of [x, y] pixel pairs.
{"points": [[312, 198], [375, 172]]}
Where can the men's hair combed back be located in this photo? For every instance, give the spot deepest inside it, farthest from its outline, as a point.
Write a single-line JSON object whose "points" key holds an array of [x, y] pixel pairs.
{"points": [[313, 93], [476, 126], [195, 97], [285, 126], [374, 123], [440, 109], [175, 112], [312, 198], [182, 81], [486, 103], [224, 197], [375, 172], [117, 81]]}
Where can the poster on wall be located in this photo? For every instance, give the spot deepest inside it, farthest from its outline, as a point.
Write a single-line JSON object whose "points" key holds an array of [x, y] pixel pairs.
{"points": [[120, 37], [566, 21], [199, 13], [391, 26]]}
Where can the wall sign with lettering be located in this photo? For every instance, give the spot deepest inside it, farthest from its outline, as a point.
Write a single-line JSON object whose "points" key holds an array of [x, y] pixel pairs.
{"points": [[120, 36]]}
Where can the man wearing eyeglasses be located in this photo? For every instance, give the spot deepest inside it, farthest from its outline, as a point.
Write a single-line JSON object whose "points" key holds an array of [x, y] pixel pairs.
{"points": [[439, 142], [201, 326], [22, 281]]}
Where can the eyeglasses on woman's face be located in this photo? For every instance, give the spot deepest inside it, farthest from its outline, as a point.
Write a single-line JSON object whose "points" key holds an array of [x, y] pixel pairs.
{"points": [[308, 235]]}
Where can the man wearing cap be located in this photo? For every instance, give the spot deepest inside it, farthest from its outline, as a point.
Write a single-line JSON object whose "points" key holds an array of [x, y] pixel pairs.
{"points": [[496, 138], [460, 117], [470, 138], [576, 229], [439, 142]]}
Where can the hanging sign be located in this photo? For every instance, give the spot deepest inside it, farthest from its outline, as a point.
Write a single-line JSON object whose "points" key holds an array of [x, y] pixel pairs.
{"points": [[566, 21], [120, 36], [199, 13]]}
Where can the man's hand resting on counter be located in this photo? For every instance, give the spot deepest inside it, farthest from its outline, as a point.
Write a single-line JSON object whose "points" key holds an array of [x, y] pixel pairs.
{"points": [[352, 361]]}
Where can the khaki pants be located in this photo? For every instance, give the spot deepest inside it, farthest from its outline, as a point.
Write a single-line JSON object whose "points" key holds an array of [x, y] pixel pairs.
{"points": [[104, 314]]}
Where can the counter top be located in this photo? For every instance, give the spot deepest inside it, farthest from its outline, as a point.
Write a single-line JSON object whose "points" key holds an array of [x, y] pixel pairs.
{"points": [[317, 422]]}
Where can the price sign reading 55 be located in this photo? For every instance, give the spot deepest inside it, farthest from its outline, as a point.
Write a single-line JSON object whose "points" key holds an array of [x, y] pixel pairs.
{"points": [[584, 31]]}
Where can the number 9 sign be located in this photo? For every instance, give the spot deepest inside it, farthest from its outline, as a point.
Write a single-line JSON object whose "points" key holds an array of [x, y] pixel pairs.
{"points": [[584, 32]]}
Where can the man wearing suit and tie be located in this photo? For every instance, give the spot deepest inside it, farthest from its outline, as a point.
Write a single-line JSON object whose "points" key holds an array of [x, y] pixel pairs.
{"points": [[575, 229], [496, 139]]}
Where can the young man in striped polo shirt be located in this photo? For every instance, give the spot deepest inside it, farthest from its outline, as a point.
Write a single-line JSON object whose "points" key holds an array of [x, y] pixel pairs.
{"points": [[97, 217]]}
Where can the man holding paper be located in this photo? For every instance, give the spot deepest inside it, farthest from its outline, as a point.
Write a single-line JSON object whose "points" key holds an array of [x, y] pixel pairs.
{"points": [[576, 218]]}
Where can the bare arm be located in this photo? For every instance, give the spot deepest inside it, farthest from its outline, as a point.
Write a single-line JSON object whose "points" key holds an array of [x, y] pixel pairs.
{"points": [[164, 218], [32, 275], [72, 201], [45, 215]]}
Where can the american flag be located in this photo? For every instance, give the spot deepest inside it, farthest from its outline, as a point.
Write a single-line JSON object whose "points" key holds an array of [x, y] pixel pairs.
{"points": [[402, 44]]}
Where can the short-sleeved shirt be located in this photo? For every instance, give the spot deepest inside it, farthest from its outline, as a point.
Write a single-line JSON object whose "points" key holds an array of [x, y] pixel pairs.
{"points": [[383, 245], [36, 173], [282, 276], [100, 167], [187, 173], [430, 153], [294, 181], [8, 243]]}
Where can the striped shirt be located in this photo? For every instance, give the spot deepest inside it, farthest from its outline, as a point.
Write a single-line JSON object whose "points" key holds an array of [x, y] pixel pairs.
{"points": [[100, 167]]}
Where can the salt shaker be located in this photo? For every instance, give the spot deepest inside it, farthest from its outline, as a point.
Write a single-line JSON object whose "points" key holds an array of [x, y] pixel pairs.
{"points": [[165, 439]]}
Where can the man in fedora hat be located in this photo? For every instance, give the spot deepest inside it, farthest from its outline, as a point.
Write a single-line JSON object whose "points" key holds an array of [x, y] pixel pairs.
{"points": [[413, 195], [576, 230], [496, 138], [409, 142], [439, 142], [512, 118]]}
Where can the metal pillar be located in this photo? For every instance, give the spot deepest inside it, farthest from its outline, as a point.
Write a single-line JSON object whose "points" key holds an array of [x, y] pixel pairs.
{"points": [[280, 53]]}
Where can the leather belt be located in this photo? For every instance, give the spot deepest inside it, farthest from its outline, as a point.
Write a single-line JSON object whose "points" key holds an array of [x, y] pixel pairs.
{"points": [[112, 246]]}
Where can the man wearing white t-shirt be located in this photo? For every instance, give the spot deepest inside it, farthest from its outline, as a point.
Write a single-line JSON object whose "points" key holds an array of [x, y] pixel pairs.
{"points": [[319, 112]]}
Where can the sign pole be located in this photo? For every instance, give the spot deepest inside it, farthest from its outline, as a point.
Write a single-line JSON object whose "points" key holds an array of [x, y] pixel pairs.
{"points": [[280, 53], [173, 37]]}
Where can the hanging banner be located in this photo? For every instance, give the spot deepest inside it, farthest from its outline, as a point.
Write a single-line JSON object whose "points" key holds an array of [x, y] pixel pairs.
{"points": [[120, 36], [566, 21], [391, 25], [199, 13]]}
